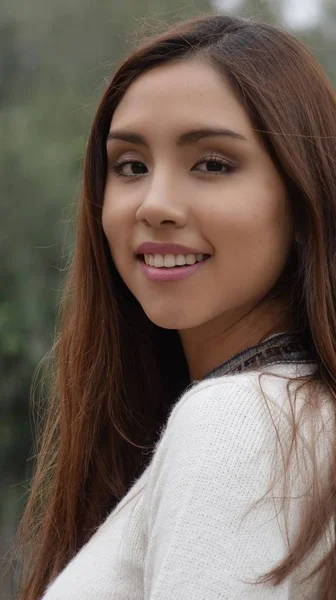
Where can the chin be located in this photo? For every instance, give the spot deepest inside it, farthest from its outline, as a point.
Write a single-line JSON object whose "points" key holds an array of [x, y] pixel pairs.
{"points": [[170, 319], [166, 321]]}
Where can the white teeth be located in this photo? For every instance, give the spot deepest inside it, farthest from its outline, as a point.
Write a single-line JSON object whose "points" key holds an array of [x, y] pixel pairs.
{"points": [[159, 260], [171, 260], [190, 259], [180, 259]]}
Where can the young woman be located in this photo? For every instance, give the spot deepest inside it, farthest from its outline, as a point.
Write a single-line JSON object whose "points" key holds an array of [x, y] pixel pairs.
{"points": [[189, 448]]}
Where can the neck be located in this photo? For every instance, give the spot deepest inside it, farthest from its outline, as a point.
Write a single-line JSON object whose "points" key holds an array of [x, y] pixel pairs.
{"points": [[212, 343]]}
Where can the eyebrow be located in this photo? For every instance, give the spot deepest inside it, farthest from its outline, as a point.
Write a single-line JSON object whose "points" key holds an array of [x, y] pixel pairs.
{"points": [[189, 137]]}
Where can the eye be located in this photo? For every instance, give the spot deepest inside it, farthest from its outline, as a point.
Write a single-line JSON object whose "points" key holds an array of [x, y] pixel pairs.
{"points": [[214, 164], [129, 168]]}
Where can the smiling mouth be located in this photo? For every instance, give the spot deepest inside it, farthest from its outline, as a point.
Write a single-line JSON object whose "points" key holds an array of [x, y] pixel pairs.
{"points": [[141, 258]]}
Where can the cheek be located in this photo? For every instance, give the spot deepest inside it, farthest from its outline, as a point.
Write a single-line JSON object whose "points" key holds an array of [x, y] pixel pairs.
{"points": [[252, 236], [253, 211], [117, 222]]}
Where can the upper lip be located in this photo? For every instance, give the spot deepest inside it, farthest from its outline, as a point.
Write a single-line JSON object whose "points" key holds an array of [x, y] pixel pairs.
{"points": [[157, 248]]}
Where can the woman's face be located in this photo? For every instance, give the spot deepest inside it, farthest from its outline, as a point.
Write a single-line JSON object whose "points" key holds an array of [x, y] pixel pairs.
{"points": [[186, 167]]}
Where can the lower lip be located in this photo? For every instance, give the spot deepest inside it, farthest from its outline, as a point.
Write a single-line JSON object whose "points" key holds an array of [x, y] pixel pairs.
{"points": [[170, 274]]}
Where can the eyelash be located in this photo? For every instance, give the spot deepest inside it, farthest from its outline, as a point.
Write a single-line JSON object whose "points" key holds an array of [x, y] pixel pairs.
{"points": [[116, 168]]}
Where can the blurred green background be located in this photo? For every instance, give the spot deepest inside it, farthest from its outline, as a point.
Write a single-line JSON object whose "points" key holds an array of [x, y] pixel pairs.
{"points": [[56, 57]]}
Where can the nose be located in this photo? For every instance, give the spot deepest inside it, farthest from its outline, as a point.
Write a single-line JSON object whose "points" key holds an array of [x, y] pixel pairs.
{"points": [[161, 205]]}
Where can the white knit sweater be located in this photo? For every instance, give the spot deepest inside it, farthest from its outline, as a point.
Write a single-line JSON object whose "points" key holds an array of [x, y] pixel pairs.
{"points": [[183, 531]]}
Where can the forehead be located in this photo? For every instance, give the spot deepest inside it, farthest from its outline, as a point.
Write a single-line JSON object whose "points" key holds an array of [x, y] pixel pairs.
{"points": [[178, 94]]}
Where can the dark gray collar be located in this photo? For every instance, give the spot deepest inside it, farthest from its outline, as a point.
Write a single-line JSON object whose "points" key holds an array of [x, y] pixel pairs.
{"points": [[288, 347]]}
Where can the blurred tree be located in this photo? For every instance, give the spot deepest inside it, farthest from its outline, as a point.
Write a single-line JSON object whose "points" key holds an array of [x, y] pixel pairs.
{"points": [[320, 37], [263, 10]]}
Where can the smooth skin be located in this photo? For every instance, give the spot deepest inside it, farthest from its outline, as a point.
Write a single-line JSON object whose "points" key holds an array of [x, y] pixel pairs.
{"points": [[220, 194]]}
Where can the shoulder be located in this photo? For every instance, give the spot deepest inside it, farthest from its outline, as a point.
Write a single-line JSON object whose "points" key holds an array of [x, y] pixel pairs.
{"points": [[214, 491], [236, 396], [214, 416], [216, 401], [228, 430], [248, 391], [260, 407]]}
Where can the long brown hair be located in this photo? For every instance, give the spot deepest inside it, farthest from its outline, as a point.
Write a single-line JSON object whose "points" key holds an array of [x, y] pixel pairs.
{"points": [[114, 374]]}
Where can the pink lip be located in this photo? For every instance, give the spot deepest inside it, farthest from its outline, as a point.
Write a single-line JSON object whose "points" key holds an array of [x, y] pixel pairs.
{"points": [[169, 274], [156, 248]]}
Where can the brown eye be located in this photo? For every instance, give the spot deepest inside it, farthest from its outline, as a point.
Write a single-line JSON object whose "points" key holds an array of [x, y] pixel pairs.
{"points": [[129, 168], [214, 164]]}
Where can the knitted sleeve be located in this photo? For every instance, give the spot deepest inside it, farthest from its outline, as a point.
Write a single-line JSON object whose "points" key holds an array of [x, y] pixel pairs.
{"points": [[215, 459]]}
